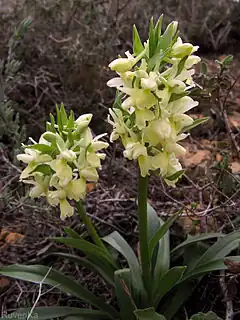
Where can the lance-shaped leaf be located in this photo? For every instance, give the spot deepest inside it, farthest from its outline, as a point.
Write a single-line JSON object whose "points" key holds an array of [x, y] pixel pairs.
{"points": [[176, 175], [176, 298], [161, 254], [195, 123], [97, 265], [148, 314], [152, 39], [43, 148], [211, 266], [72, 233], [167, 282], [91, 250], [193, 239], [124, 295], [161, 232], [221, 248], [37, 274], [121, 245], [137, 43], [158, 28]]}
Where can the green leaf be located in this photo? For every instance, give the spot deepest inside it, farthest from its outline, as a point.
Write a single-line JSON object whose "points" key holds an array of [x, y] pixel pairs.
{"points": [[211, 266], [177, 96], [59, 119], [97, 265], [161, 232], [167, 38], [227, 60], [193, 239], [72, 233], [70, 124], [167, 282], [91, 250], [37, 274], [43, 148], [121, 245], [153, 226], [152, 39], [193, 252], [63, 114], [181, 65], [51, 125], [43, 168], [123, 292], [221, 248], [177, 297], [47, 313], [175, 175], [157, 58], [195, 123], [162, 263], [158, 28], [118, 100], [153, 222], [205, 316], [137, 43], [161, 254], [148, 314]]}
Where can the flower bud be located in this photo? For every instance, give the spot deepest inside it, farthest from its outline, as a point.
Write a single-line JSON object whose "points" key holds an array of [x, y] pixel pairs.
{"points": [[26, 158], [191, 60], [182, 50], [121, 65], [83, 121]]}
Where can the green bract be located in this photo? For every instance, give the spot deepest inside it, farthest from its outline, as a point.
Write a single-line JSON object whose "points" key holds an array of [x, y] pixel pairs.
{"points": [[153, 87], [63, 160]]}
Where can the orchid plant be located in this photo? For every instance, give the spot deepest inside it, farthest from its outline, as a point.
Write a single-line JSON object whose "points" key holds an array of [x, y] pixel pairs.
{"points": [[149, 116]]}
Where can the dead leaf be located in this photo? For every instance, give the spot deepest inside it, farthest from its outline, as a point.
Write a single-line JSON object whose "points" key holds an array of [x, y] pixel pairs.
{"points": [[233, 266], [235, 166], [196, 116], [196, 225], [7, 237], [90, 187], [234, 119], [219, 157], [195, 159], [4, 282]]}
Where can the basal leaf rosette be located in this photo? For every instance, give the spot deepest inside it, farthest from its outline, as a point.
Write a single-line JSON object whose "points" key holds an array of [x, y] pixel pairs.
{"points": [[153, 87], [64, 159]]}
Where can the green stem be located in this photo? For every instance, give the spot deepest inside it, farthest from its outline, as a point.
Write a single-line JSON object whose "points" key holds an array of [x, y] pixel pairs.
{"points": [[143, 230], [90, 227]]}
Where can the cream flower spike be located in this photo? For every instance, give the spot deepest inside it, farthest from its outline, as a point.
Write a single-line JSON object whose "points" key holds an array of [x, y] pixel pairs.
{"points": [[63, 161], [149, 115]]}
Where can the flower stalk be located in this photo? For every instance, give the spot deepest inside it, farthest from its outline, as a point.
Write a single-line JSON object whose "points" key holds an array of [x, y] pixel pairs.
{"points": [[89, 225], [143, 233]]}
